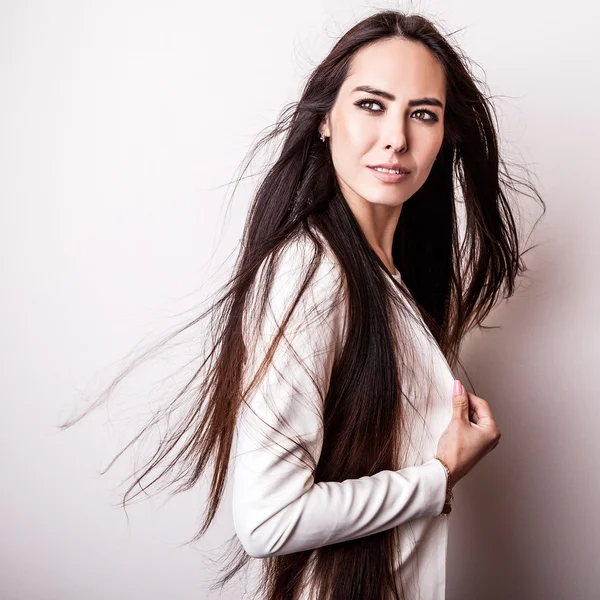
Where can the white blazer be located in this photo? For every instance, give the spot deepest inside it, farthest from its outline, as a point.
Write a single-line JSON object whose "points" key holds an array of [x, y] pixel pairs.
{"points": [[277, 507]]}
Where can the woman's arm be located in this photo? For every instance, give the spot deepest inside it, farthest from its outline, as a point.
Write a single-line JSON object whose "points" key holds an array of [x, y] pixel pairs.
{"points": [[277, 507]]}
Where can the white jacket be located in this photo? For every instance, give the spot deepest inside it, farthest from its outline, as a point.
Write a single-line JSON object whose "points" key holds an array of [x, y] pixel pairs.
{"points": [[277, 507]]}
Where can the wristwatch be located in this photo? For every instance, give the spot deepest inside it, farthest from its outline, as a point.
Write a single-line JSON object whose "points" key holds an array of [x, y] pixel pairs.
{"points": [[449, 495]]}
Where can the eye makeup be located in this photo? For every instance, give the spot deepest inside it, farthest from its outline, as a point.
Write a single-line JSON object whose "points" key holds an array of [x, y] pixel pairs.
{"points": [[433, 117]]}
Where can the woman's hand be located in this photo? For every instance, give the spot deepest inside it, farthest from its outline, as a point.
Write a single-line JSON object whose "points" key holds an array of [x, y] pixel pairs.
{"points": [[470, 435]]}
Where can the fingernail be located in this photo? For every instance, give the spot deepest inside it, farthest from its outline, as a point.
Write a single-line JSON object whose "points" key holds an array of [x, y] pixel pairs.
{"points": [[458, 388]]}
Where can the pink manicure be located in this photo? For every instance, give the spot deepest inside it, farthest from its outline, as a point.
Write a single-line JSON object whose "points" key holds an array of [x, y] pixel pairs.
{"points": [[458, 388]]}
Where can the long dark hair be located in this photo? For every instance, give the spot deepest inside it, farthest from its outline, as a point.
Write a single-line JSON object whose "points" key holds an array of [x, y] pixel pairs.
{"points": [[455, 283]]}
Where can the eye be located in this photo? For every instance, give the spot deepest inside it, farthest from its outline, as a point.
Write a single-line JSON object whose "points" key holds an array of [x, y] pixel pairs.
{"points": [[362, 103], [432, 116]]}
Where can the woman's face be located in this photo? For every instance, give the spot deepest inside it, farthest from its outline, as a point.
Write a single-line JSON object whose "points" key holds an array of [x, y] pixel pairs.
{"points": [[400, 123]]}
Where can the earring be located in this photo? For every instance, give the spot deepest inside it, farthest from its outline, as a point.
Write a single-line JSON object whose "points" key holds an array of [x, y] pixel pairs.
{"points": [[322, 137]]}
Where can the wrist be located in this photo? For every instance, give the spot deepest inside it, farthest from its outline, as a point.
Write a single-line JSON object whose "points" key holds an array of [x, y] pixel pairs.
{"points": [[449, 485], [450, 471]]}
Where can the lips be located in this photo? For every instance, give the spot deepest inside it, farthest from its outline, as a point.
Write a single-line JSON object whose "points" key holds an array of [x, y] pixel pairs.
{"points": [[392, 166], [388, 177]]}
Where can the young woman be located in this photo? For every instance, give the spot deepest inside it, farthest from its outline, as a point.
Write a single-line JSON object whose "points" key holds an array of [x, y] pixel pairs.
{"points": [[329, 387]]}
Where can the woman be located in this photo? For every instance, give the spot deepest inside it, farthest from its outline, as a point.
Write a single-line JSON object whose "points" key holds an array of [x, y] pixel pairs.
{"points": [[329, 382]]}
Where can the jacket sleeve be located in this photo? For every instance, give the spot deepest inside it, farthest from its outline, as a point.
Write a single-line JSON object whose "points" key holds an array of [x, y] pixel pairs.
{"points": [[277, 507]]}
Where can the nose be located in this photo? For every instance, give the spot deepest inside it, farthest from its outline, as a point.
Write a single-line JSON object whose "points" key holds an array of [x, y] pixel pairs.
{"points": [[397, 141], [395, 147], [395, 134]]}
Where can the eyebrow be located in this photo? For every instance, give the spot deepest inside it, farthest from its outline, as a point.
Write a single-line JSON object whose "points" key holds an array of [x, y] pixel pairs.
{"points": [[418, 101]]}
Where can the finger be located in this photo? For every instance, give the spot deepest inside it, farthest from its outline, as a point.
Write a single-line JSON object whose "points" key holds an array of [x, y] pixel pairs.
{"points": [[460, 402], [473, 416], [480, 407]]}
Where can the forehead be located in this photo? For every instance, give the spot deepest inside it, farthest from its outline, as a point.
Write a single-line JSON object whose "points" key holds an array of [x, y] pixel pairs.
{"points": [[405, 68]]}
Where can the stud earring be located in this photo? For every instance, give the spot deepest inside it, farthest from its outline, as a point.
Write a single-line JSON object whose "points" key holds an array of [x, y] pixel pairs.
{"points": [[322, 137]]}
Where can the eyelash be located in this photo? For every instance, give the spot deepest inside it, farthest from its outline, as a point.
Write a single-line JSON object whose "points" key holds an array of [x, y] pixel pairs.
{"points": [[428, 112]]}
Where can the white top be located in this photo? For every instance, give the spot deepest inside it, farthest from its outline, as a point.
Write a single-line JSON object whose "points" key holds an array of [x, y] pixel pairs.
{"points": [[277, 507]]}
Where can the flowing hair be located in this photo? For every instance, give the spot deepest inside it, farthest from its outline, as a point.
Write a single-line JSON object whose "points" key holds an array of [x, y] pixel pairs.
{"points": [[455, 280]]}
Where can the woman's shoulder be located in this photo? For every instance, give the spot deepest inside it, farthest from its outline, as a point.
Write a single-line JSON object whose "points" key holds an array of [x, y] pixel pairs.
{"points": [[299, 294], [303, 280], [307, 258]]}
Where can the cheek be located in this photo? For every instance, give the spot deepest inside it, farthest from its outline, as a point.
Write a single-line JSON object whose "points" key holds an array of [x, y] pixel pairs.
{"points": [[353, 135], [348, 152], [437, 141]]}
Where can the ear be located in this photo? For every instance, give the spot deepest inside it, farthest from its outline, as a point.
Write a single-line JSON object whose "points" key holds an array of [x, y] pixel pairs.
{"points": [[324, 126]]}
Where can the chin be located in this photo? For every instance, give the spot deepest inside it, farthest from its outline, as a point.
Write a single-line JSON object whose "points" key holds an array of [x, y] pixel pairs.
{"points": [[376, 195], [390, 200]]}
